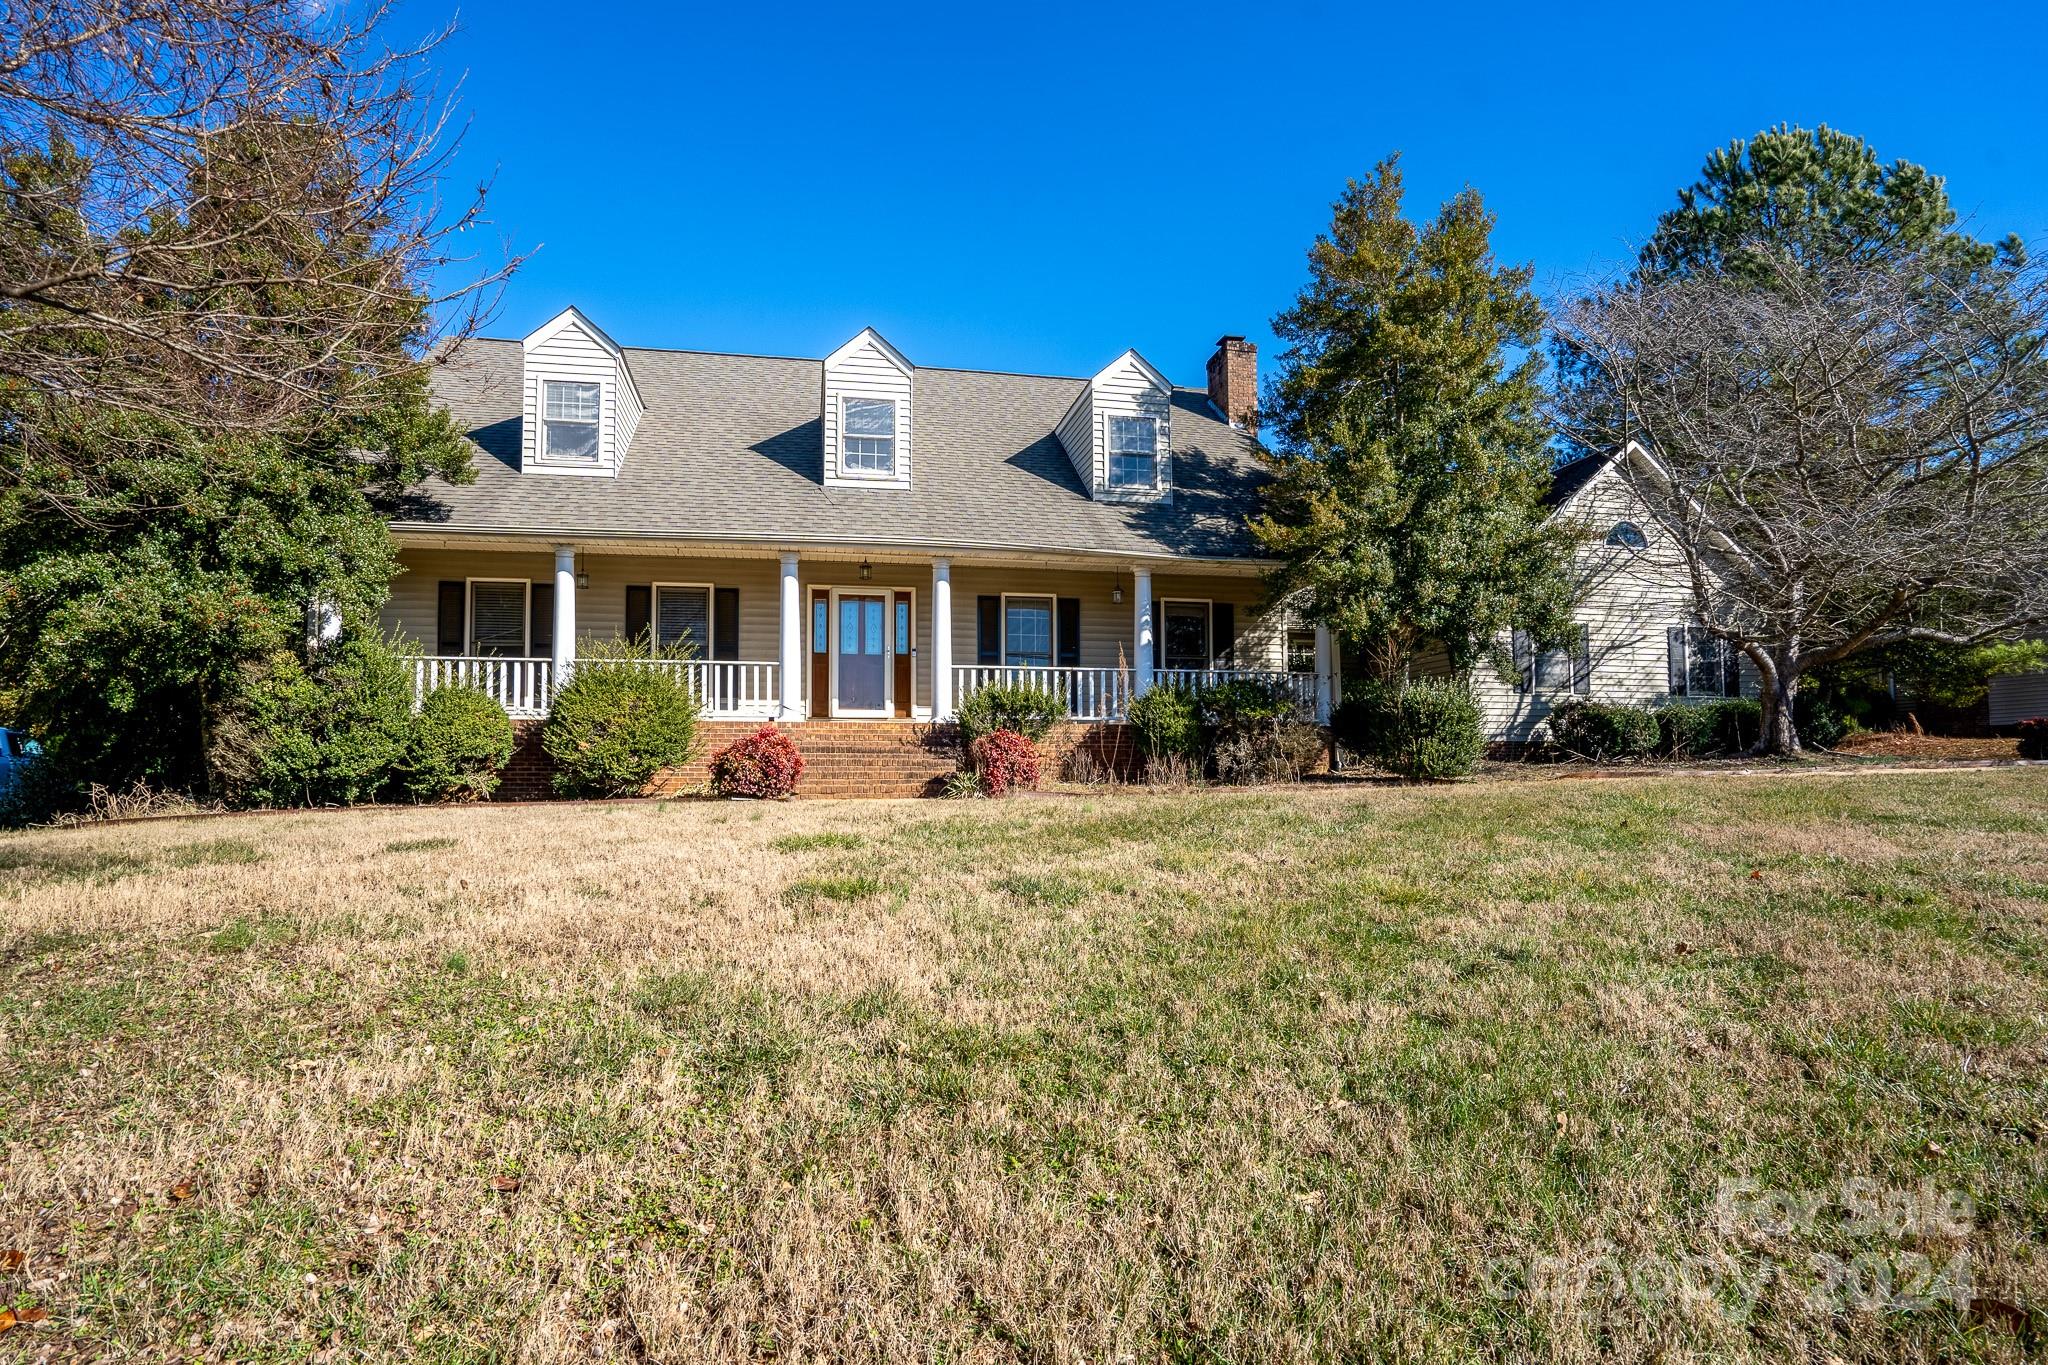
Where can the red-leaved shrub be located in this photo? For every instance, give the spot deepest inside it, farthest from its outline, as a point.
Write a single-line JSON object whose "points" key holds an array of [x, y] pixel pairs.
{"points": [[1004, 761], [765, 763]]}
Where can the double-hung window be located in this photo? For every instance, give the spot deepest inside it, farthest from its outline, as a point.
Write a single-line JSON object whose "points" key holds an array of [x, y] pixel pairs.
{"points": [[1027, 631], [497, 618], [1184, 631], [569, 420], [1133, 452], [869, 439], [1567, 668], [682, 618], [1301, 651], [1702, 664]]}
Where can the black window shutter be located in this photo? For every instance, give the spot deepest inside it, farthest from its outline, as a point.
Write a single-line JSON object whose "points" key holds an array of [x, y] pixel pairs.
{"points": [[1732, 682], [1069, 618], [988, 630], [1674, 654], [639, 612], [1158, 629], [450, 627], [540, 624], [1582, 663], [725, 624], [1223, 620], [1525, 660]]}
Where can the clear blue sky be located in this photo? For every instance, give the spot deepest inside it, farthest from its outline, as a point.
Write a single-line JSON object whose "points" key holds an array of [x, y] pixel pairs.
{"points": [[1036, 188]]}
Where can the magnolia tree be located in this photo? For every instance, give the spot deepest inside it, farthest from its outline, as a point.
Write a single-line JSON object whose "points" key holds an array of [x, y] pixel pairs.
{"points": [[1843, 454]]}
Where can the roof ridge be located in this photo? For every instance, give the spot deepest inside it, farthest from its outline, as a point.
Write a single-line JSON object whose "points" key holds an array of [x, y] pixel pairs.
{"points": [[819, 360]]}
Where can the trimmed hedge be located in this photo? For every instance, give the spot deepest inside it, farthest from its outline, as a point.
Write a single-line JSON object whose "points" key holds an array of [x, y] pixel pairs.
{"points": [[1018, 707], [1430, 729], [461, 741], [1602, 732], [615, 724], [1710, 728], [764, 764]]}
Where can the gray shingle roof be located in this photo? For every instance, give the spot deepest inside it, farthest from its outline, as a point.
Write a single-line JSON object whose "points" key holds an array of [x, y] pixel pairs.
{"points": [[730, 448]]}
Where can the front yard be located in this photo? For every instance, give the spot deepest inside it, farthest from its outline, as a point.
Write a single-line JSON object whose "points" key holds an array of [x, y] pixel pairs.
{"points": [[1542, 1070]]}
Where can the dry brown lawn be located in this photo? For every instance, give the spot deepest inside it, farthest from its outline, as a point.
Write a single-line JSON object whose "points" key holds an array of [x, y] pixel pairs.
{"points": [[1339, 1074]]}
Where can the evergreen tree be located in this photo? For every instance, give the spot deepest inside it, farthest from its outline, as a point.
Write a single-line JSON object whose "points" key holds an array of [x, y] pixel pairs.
{"points": [[1407, 500]]}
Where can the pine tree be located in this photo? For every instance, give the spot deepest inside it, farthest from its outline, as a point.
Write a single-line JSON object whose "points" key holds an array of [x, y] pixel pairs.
{"points": [[1412, 454]]}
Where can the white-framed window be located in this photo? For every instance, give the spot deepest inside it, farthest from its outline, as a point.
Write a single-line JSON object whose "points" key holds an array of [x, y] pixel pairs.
{"points": [[569, 415], [1184, 634], [1703, 664], [1028, 631], [498, 617], [1567, 668], [1627, 535], [1133, 452], [1301, 651], [868, 436], [682, 616]]}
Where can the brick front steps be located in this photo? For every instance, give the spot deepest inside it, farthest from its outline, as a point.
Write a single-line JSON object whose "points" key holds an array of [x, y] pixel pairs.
{"points": [[844, 758]]}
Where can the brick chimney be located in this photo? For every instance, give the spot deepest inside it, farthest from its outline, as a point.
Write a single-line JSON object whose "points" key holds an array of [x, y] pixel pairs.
{"points": [[1234, 381]]}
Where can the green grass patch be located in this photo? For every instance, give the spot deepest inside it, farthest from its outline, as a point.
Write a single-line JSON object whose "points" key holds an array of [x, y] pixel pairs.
{"points": [[812, 843]]}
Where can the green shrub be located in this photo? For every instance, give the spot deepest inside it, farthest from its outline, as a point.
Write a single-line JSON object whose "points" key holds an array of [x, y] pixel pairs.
{"points": [[331, 732], [1602, 732], [461, 741], [1023, 708], [1708, 728], [1240, 703], [616, 723], [1428, 729], [1822, 722], [1169, 724]]}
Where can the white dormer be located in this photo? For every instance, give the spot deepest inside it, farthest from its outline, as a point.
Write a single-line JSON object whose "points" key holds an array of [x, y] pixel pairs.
{"points": [[580, 406], [867, 414], [1119, 433]]}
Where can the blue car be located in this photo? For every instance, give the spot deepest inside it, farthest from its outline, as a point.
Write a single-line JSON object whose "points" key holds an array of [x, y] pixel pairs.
{"points": [[17, 751]]}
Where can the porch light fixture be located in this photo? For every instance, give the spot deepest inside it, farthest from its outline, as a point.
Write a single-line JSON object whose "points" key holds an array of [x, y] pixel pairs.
{"points": [[866, 570], [582, 579], [1116, 594]]}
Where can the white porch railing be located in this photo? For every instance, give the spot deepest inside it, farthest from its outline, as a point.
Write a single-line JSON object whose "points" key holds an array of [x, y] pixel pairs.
{"points": [[1105, 693], [739, 688], [522, 686], [1090, 693], [1301, 687], [726, 688]]}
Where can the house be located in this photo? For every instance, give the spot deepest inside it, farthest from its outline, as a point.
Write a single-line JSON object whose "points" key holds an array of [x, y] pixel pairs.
{"points": [[2016, 697], [1639, 642], [850, 544]]}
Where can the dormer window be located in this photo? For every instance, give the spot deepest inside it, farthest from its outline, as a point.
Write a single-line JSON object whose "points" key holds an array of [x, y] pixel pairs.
{"points": [[1133, 452], [571, 408], [870, 436]]}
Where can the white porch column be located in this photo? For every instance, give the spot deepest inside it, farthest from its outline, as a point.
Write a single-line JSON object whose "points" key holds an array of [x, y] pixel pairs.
{"points": [[792, 655], [942, 639], [1326, 674], [565, 612], [1142, 627]]}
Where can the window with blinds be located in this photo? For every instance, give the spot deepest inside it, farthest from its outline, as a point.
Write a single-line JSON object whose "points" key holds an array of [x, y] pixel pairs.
{"points": [[683, 616], [497, 618]]}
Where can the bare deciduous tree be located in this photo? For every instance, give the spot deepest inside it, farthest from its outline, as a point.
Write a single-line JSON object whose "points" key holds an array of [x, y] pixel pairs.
{"points": [[1844, 458], [221, 212]]}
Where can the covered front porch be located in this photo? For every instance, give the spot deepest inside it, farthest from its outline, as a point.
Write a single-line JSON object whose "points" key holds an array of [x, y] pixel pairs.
{"points": [[789, 635]]}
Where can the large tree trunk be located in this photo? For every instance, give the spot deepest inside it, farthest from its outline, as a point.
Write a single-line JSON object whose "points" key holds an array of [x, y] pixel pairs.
{"points": [[1778, 736]]}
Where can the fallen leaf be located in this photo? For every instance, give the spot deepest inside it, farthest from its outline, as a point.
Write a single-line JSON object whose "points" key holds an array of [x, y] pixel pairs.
{"points": [[10, 1260], [1682, 947], [1998, 1310], [505, 1184], [182, 1190], [10, 1319], [1756, 874]]}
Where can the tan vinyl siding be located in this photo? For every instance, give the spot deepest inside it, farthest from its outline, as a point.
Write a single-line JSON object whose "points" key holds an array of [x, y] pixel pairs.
{"points": [[1630, 602]]}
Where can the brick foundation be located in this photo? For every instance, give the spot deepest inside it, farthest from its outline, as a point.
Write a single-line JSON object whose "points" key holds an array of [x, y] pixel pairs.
{"points": [[848, 758]]}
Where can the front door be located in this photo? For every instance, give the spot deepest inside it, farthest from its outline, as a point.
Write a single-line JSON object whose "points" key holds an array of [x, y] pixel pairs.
{"points": [[860, 655]]}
